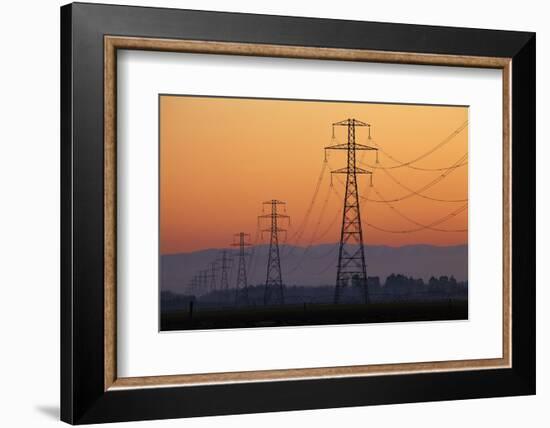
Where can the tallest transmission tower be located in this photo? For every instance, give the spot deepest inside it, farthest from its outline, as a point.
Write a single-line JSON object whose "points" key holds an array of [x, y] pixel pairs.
{"points": [[274, 279], [351, 256]]}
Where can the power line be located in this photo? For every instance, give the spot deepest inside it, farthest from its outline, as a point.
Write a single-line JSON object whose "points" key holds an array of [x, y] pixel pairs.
{"points": [[429, 226], [302, 227], [419, 169], [410, 163], [423, 226], [326, 230], [418, 192], [314, 234]]}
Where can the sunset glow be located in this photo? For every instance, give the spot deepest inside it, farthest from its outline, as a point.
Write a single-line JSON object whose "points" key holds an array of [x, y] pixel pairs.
{"points": [[220, 158]]}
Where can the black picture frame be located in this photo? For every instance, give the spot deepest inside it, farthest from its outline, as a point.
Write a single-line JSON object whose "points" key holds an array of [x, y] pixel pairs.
{"points": [[83, 398]]}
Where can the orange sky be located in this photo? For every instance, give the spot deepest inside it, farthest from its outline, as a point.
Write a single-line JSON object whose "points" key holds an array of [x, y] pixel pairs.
{"points": [[220, 158]]}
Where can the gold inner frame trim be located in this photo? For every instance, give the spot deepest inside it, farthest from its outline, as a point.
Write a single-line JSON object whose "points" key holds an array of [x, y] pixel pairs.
{"points": [[113, 43]]}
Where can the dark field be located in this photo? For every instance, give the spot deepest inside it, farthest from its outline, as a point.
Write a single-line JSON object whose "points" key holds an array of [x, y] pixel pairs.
{"points": [[313, 314]]}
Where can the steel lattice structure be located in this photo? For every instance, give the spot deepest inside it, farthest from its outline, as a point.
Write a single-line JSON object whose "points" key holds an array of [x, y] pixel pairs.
{"points": [[225, 264], [241, 291], [203, 281], [213, 276], [274, 286], [193, 285], [351, 256]]}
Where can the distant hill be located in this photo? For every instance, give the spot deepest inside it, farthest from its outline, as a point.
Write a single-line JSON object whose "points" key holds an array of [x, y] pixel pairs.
{"points": [[316, 265]]}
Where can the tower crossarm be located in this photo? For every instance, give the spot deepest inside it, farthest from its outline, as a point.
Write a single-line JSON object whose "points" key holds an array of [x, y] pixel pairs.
{"points": [[242, 240], [273, 215], [346, 146], [275, 201], [349, 122], [350, 147], [357, 170]]}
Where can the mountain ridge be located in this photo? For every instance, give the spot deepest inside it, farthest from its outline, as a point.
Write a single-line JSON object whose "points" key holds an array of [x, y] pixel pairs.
{"points": [[316, 265]]}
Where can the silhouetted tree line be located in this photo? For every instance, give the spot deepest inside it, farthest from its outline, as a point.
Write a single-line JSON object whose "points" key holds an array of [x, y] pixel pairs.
{"points": [[397, 287], [401, 287]]}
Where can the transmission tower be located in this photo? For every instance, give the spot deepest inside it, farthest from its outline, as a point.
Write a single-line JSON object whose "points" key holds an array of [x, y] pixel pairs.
{"points": [[203, 281], [274, 278], [351, 255], [241, 292], [213, 276], [193, 285], [225, 264]]}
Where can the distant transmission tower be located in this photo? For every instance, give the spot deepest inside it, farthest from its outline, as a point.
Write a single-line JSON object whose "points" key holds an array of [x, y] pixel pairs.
{"points": [[203, 281], [193, 285], [241, 292], [213, 276], [225, 264], [274, 279], [351, 255]]}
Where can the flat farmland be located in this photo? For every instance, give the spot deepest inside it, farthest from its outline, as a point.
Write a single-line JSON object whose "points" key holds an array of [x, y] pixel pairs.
{"points": [[312, 314]]}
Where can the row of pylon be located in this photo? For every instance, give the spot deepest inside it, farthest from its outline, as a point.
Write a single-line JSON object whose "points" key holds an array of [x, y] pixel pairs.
{"points": [[274, 286], [351, 269]]}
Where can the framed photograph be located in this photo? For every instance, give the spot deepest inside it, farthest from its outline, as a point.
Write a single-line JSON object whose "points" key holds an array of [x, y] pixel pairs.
{"points": [[265, 213], [272, 273]]}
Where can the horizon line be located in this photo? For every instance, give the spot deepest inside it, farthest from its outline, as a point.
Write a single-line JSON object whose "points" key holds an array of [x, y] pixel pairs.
{"points": [[310, 246]]}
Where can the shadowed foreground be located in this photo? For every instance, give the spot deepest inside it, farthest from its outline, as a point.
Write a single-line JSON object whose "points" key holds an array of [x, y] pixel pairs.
{"points": [[313, 314]]}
